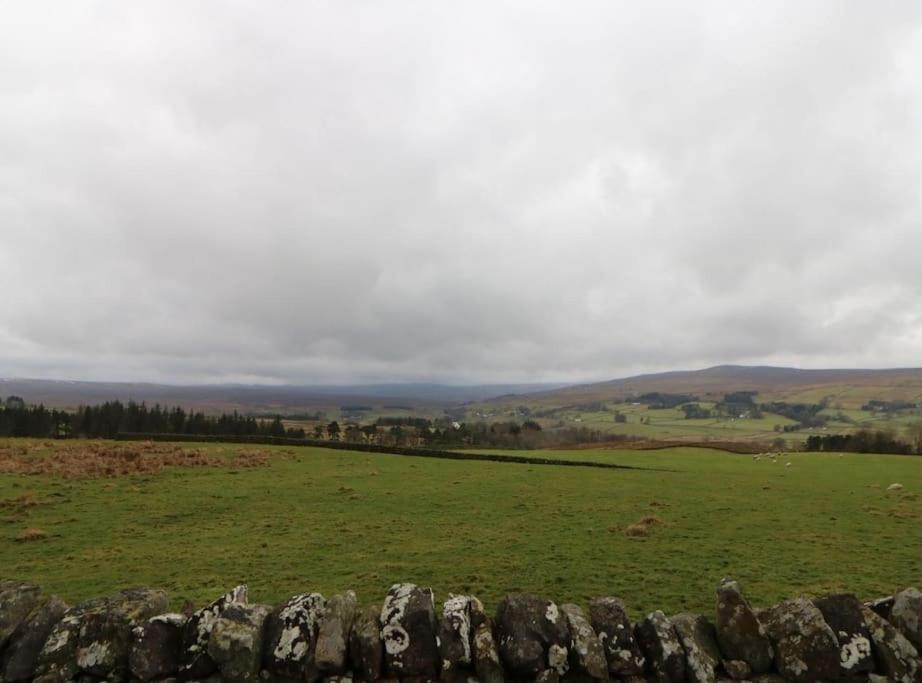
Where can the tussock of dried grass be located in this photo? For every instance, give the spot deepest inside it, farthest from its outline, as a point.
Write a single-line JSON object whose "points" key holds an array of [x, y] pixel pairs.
{"points": [[104, 460], [31, 534], [642, 526]]}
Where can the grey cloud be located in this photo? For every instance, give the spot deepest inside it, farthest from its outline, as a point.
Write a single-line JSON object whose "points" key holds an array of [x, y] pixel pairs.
{"points": [[486, 192]]}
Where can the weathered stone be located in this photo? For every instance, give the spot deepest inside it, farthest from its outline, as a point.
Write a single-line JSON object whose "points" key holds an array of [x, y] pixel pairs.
{"points": [[454, 635], [94, 636], [737, 669], [895, 655], [699, 641], [236, 642], [155, 646], [660, 645], [806, 649], [24, 644], [769, 678], [104, 639], [17, 600], [610, 621], [533, 635], [291, 636], [333, 634], [408, 629], [485, 654], [194, 661], [548, 676], [366, 652], [843, 614], [881, 606], [586, 653], [740, 635], [906, 615]]}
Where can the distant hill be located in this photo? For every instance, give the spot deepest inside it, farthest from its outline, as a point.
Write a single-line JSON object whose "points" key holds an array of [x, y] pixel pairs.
{"points": [[850, 388], [257, 398]]}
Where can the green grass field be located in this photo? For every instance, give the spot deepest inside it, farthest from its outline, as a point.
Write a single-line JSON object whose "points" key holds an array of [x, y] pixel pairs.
{"points": [[324, 520]]}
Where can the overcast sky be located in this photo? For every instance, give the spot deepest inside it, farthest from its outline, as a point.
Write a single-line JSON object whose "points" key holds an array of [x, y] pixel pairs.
{"points": [[463, 192]]}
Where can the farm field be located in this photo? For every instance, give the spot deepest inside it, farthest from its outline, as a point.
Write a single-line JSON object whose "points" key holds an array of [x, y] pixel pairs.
{"points": [[671, 424], [286, 520]]}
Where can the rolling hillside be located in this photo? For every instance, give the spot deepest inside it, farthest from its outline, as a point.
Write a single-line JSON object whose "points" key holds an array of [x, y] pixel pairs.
{"points": [[849, 388]]}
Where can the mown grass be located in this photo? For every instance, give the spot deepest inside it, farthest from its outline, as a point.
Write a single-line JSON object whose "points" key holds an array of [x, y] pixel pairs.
{"points": [[316, 519]]}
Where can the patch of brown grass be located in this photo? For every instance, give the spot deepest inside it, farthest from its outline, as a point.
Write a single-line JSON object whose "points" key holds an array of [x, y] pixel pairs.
{"points": [[96, 460], [19, 503], [31, 534], [643, 526]]}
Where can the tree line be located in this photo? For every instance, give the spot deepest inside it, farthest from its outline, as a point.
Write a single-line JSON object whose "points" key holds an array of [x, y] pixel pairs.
{"points": [[868, 441], [105, 420]]}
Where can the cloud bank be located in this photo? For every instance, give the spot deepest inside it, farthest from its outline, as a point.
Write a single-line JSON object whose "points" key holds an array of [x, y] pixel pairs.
{"points": [[513, 191]]}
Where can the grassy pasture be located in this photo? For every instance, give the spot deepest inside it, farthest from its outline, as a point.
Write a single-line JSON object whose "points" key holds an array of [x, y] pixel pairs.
{"points": [[333, 520]]}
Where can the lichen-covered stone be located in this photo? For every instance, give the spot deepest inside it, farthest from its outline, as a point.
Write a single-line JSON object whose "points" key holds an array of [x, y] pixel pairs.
{"points": [[610, 621], [408, 631], [485, 654], [17, 600], [194, 661], [155, 646], [740, 635], [843, 614], [660, 645], [737, 669], [586, 654], [454, 637], [906, 615], [699, 640], [24, 644], [236, 642], [366, 651], [895, 655], [333, 634], [881, 606], [806, 649], [291, 636], [94, 636], [533, 635]]}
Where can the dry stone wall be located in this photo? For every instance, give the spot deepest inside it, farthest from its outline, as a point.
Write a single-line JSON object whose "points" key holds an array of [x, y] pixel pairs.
{"points": [[130, 636]]}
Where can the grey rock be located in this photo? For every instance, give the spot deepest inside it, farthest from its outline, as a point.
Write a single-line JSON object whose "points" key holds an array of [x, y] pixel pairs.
{"points": [[737, 669], [485, 654], [533, 635], [333, 634], [236, 642], [895, 655], [609, 619], [24, 644], [843, 614], [408, 631], [699, 640], [586, 653], [454, 637], [155, 647], [881, 606], [806, 649], [94, 636], [661, 647], [548, 676], [291, 637], [740, 635], [17, 600], [104, 639], [194, 661], [906, 615], [366, 651]]}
